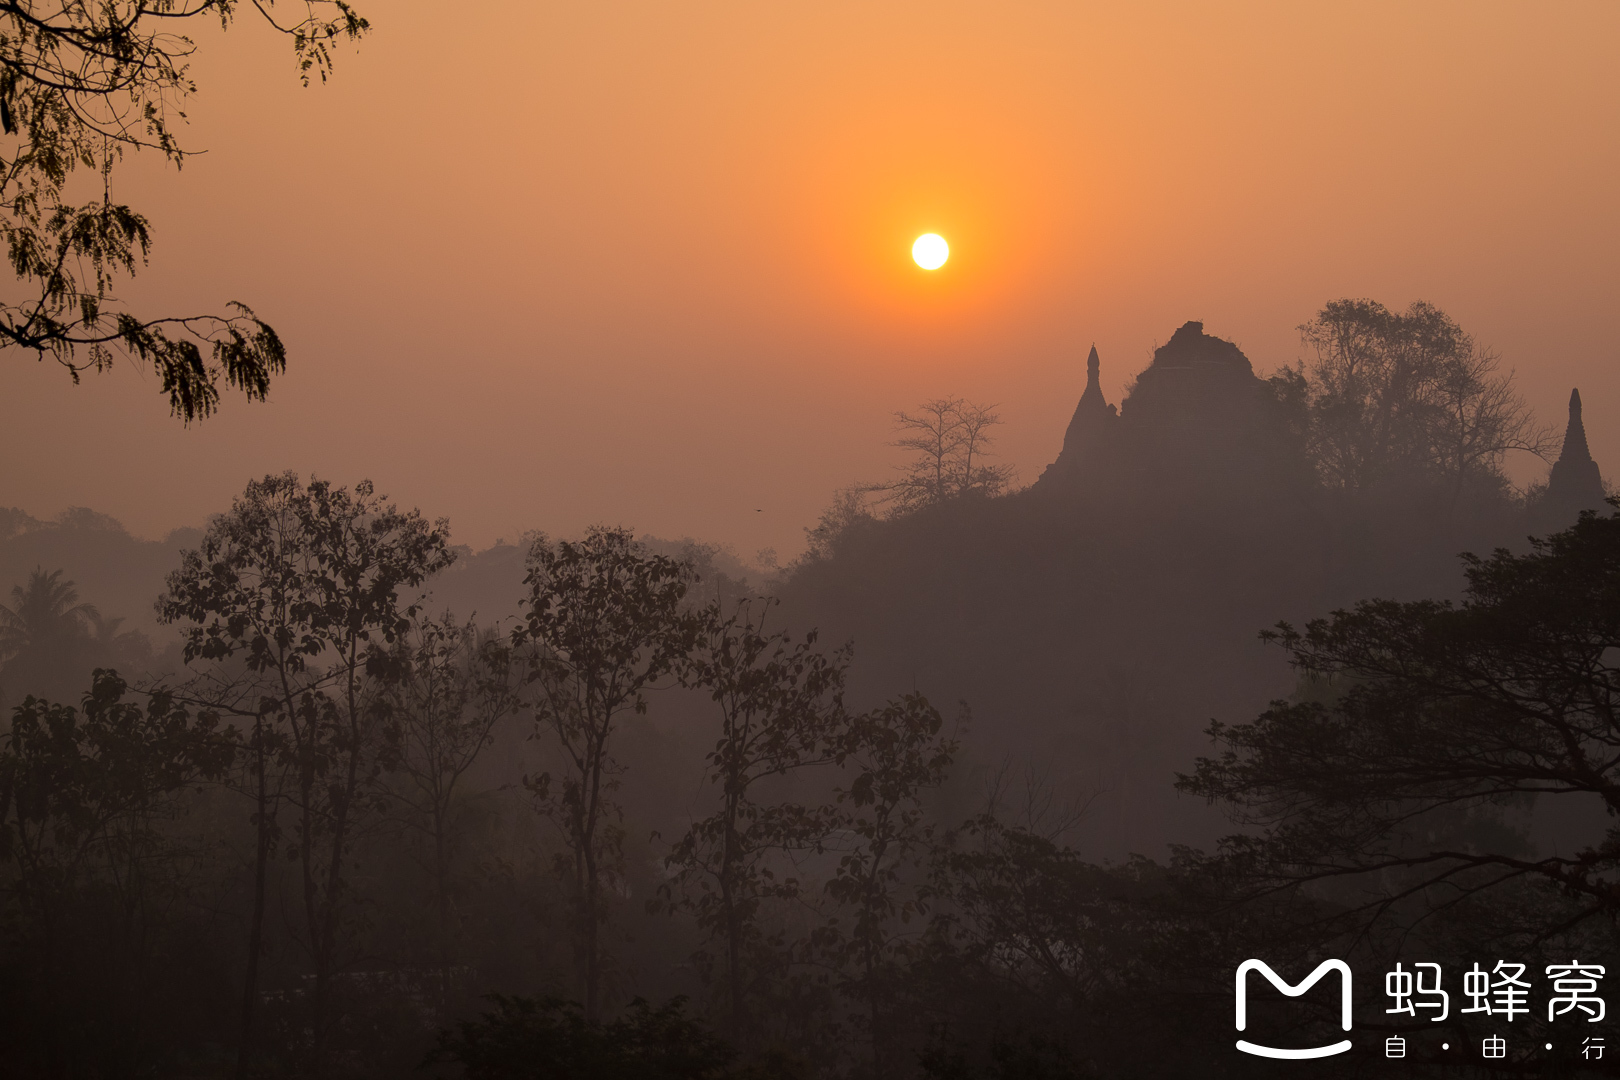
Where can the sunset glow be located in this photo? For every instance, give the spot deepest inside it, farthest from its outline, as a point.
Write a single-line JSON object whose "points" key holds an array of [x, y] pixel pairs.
{"points": [[719, 220], [543, 472]]}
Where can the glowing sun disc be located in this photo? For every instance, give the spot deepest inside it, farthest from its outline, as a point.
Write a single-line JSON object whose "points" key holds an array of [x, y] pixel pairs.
{"points": [[930, 251]]}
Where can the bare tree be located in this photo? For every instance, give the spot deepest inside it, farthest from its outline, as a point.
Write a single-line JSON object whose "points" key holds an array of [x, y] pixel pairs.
{"points": [[932, 437], [974, 473], [1478, 419], [950, 441]]}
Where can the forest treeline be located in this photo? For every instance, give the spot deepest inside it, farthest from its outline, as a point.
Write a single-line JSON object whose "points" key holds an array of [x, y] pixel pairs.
{"points": [[306, 846], [652, 823], [304, 798]]}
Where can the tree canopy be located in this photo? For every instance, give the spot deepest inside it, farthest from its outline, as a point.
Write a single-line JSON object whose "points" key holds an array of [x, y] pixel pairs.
{"points": [[1423, 714], [1407, 395]]}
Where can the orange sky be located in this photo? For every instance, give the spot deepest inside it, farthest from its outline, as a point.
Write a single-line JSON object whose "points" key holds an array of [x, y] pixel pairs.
{"points": [[541, 265]]}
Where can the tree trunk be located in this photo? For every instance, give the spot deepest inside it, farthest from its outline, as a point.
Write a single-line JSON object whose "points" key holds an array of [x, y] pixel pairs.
{"points": [[441, 863], [728, 904], [250, 983]]}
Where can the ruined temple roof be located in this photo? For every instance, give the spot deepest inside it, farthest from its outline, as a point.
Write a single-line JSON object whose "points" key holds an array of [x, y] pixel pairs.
{"points": [[1189, 346], [1195, 377]]}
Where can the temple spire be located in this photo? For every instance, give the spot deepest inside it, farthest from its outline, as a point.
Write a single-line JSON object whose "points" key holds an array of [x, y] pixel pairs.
{"points": [[1088, 442], [1093, 414], [1092, 400], [1575, 483], [1575, 448]]}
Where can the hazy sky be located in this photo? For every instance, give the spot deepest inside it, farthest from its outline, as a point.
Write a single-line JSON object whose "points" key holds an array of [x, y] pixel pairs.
{"points": [[540, 265]]}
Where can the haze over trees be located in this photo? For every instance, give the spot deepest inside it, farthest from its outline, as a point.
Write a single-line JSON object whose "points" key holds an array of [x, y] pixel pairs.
{"points": [[680, 822], [49, 638], [604, 622], [297, 587]]}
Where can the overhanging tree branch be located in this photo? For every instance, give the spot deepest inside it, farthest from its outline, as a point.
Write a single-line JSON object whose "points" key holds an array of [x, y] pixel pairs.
{"points": [[81, 85]]}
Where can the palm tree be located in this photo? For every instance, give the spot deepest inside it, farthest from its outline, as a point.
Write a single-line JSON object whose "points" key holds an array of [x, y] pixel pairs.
{"points": [[50, 642], [45, 613]]}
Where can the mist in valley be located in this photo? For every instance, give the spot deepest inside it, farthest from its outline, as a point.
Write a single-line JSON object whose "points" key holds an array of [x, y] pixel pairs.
{"points": [[295, 790]]}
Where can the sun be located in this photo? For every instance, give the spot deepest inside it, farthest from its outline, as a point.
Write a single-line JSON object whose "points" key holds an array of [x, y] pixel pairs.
{"points": [[930, 251]]}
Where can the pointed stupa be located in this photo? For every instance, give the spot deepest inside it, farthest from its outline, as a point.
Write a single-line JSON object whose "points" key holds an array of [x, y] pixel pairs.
{"points": [[1086, 444], [1093, 415], [1575, 484]]}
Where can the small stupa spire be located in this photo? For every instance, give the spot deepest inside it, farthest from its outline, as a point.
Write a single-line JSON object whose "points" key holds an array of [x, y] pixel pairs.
{"points": [[1093, 368], [1575, 448], [1575, 483], [1092, 415]]}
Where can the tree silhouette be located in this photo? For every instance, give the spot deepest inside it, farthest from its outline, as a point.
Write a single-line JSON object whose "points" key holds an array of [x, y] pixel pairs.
{"points": [[604, 624], [1424, 711], [897, 753], [781, 709], [81, 85], [50, 641], [298, 584], [950, 442], [44, 612], [82, 792], [1407, 394], [446, 685]]}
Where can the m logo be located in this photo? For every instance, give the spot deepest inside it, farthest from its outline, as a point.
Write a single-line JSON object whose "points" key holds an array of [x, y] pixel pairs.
{"points": [[1292, 991]]}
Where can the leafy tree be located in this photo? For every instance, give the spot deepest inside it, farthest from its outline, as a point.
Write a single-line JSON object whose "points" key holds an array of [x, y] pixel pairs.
{"points": [[849, 511], [1408, 395], [82, 794], [551, 1039], [897, 754], [297, 585], [1045, 919], [81, 85], [950, 443], [604, 623], [446, 686], [1435, 714], [781, 709]]}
